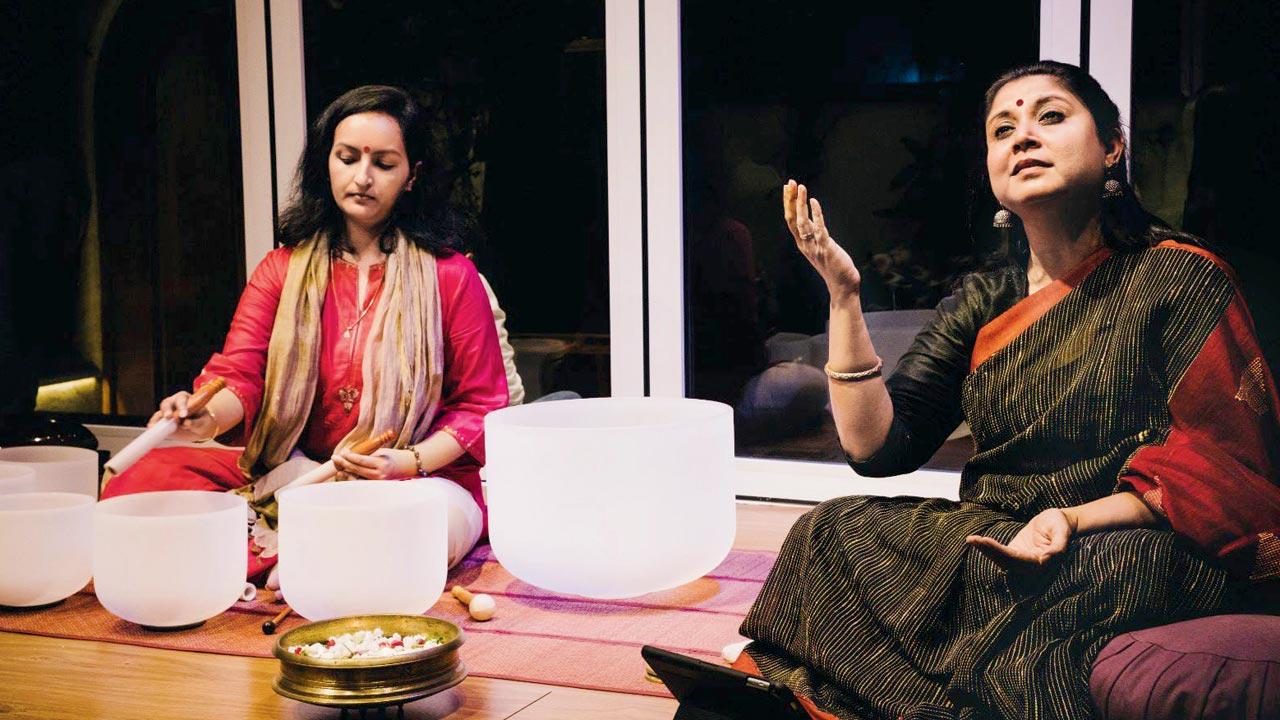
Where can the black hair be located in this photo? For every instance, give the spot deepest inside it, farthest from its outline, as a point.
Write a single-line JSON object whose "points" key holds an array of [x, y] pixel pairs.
{"points": [[1126, 225], [424, 214]]}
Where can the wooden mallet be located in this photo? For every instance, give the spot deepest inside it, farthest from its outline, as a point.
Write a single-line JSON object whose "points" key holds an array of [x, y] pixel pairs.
{"points": [[481, 607], [327, 469], [269, 627]]}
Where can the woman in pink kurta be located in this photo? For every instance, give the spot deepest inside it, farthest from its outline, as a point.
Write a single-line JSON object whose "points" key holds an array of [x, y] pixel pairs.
{"points": [[356, 215]]}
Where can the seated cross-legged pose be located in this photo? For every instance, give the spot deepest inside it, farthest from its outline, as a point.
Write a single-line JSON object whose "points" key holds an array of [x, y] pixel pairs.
{"points": [[366, 320], [1126, 435]]}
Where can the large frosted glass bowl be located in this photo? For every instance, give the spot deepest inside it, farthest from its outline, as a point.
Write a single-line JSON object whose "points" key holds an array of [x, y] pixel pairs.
{"points": [[58, 468], [15, 478], [610, 497], [46, 544], [170, 559], [362, 547]]}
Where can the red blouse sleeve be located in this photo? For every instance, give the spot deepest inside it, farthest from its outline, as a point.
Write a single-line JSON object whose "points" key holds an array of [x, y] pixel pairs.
{"points": [[1214, 477], [475, 380], [243, 360]]}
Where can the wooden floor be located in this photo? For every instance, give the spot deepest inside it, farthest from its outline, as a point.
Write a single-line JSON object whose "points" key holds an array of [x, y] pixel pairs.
{"points": [[53, 679]]}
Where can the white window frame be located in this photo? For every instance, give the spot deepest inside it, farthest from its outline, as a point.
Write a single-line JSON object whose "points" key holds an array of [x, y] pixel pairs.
{"points": [[255, 130], [654, 194], [288, 92], [1111, 55], [1060, 34], [1060, 30], [624, 197]]}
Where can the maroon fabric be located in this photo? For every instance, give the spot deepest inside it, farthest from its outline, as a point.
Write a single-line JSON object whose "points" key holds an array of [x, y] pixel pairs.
{"points": [[1226, 666], [1215, 475]]}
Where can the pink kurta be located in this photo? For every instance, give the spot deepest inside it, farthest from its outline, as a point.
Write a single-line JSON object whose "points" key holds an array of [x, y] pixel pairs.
{"points": [[475, 380]]}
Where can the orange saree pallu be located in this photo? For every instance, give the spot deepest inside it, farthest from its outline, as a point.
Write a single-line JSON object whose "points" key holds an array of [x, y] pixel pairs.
{"points": [[1138, 372]]}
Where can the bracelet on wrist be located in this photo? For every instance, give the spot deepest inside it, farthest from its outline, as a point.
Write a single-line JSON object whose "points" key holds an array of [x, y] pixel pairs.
{"points": [[417, 461], [857, 376]]}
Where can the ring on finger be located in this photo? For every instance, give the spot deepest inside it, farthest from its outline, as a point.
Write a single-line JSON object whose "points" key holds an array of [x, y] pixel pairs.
{"points": [[808, 236]]}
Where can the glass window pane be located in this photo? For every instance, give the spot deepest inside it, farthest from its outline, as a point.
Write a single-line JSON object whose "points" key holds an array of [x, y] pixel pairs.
{"points": [[1206, 135], [875, 109], [516, 91], [121, 234]]}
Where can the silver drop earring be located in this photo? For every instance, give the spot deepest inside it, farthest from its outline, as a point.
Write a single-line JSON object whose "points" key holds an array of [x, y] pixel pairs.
{"points": [[1003, 219], [1111, 188]]}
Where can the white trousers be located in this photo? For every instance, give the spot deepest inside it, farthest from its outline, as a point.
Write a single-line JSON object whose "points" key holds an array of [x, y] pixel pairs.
{"points": [[463, 515], [465, 520]]}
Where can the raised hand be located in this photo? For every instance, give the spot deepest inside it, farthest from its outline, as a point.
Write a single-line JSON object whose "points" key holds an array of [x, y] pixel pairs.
{"points": [[804, 218], [1044, 537]]}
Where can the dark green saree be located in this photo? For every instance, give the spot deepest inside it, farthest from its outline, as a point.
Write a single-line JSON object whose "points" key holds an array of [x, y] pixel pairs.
{"points": [[878, 609]]}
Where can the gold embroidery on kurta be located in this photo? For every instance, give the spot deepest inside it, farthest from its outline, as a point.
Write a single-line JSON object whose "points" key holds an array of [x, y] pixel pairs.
{"points": [[1253, 387], [1267, 562]]}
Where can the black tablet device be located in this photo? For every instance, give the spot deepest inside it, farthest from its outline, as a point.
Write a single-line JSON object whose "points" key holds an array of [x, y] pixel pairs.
{"points": [[714, 692]]}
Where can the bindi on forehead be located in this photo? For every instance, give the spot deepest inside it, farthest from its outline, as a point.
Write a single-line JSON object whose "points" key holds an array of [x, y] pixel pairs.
{"points": [[1019, 103], [366, 147]]}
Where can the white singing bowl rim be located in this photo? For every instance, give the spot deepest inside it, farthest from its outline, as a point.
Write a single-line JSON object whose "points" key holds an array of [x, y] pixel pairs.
{"points": [[575, 415], [71, 501], [369, 501], [115, 507], [70, 454]]}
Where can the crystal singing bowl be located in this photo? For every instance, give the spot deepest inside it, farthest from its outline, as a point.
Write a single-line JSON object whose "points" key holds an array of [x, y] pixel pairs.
{"points": [[16, 478], [610, 497], [171, 559], [374, 681], [46, 542], [58, 468], [362, 547]]}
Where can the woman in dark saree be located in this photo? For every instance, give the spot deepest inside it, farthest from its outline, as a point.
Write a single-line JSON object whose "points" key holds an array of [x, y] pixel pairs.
{"points": [[1126, 435]]}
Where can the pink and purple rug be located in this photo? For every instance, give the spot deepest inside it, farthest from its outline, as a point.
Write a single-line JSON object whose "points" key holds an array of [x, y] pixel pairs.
{"points": [[536, 636]]}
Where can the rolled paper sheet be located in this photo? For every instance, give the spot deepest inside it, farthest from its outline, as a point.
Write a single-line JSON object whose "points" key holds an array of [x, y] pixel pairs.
{"points": [[158, 433], [327, 469]]}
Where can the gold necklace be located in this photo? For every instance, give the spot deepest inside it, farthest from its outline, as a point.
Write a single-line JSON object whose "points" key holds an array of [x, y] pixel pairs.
{"points": [[348, 394], [356, 325]]}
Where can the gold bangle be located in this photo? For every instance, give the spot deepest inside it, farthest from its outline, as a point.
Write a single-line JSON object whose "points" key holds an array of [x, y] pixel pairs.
{"points": [[417, 461], [216, 432], [858, 376]]}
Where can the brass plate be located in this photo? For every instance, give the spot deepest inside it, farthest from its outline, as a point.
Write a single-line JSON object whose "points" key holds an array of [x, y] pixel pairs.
{"points": [[375, 681]]}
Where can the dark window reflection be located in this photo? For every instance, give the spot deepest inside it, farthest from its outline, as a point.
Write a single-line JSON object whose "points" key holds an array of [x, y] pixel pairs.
{"points": [[121, 215], [1206, 135], [876, 110], [517, 93]]}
